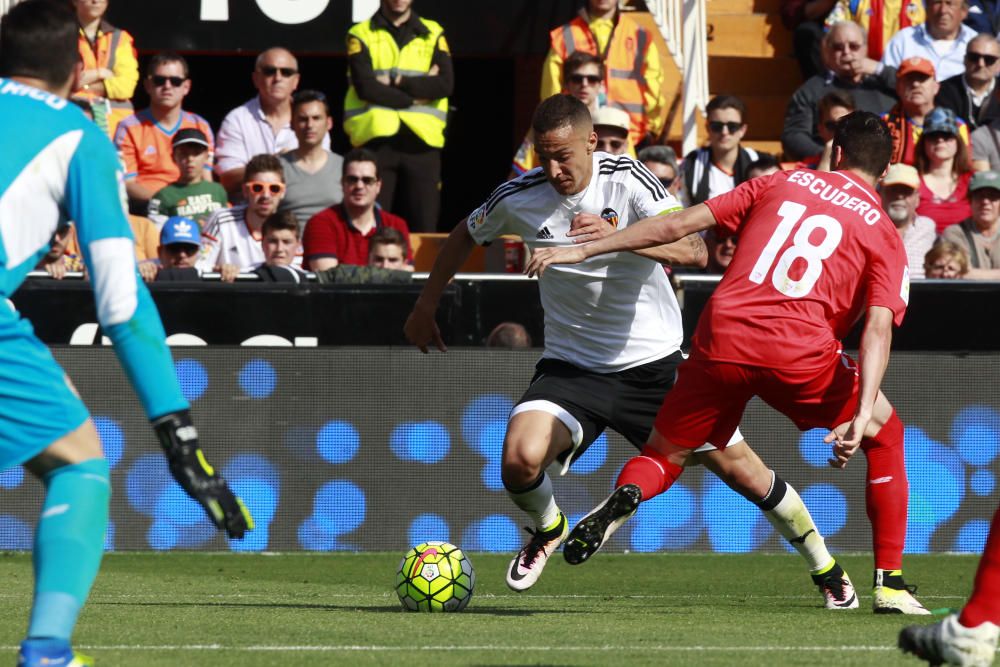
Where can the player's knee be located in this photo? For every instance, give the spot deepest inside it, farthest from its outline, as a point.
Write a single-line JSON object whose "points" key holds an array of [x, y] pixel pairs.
{"points": [[524, 459]]}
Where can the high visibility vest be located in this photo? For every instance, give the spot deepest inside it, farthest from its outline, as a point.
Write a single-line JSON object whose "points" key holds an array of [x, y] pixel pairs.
{"points": [[624, 64], [112, 49], [364, 121]]}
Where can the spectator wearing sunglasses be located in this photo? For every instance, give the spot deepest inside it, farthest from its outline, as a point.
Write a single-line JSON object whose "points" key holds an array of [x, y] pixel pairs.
{"points": [[843, 49], [262, 124], [970, 94], [144, 139], [942, 39], [583, 78], [612, 128], [722, 165], [662, 162], [232, 236], [312, 172], [342, 234], [832, 107]]}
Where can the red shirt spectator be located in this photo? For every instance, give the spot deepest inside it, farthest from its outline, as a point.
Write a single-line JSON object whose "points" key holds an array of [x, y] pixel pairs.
{"points": [[331, 234], [945, 211]]}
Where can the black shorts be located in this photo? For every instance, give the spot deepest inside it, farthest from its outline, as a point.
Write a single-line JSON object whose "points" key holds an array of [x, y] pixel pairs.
{"points": [[588, 402]]}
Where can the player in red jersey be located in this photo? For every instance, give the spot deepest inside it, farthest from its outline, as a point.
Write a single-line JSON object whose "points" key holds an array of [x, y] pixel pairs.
{"points": [[816, 252], [969, 638]]}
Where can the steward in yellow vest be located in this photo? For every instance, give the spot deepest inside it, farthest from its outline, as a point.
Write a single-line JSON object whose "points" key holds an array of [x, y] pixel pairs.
{"points": [[633, 76], [401, 75]]}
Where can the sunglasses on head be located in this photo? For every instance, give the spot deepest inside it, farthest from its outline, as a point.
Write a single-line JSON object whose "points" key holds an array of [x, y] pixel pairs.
{"points": [[270, 70], [988, 60], [257, 187], [354, 180], [717, 126], [579, 79], [159, 80]]}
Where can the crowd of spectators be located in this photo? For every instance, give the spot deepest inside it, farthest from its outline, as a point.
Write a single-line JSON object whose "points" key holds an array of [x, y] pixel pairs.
{"points": [[228, 203]]}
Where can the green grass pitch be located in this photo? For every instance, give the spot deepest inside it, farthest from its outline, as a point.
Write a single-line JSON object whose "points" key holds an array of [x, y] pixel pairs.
{"points": [[629, 609]]}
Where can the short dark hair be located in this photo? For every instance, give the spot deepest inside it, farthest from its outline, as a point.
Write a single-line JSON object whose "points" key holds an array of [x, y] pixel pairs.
{"points": [[165, 57], [361, 155], [865, 142], [387, 236], [280, 221], [263, 163], [38, 40], [764, 162], [836, 98], [578, 59], [727, 102], [301, 97], [559, 111]]}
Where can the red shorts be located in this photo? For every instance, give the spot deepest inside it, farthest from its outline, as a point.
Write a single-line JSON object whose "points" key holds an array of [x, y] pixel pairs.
{"points": [[708, 399]]}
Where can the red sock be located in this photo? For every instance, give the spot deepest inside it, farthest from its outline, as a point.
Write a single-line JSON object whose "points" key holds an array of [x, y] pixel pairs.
{"points": [[650, 471], [887, 493], [984, 605]]}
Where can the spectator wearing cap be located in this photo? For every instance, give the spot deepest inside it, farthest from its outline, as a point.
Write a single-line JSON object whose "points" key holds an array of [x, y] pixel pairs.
{"points": [[916, 88], [945, 169], [971, 94], [979, 235], [942, 39], [583, 78], [312, 173], [342, 234], [612, 128], [722, 165], [900, 196], [233, 235], [144, 139], [262, 124], [662, 162], [180, 245], [843, 50], [191, 195]]}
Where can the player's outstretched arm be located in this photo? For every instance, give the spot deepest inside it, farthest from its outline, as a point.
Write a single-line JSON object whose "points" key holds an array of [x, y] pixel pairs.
{"points": [[689, 251], [876, 340], [421, 329], [648, 233], [129, 318]]}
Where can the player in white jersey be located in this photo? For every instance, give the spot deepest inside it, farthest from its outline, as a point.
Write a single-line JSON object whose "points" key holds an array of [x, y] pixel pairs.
{"points": [[612, 336]]}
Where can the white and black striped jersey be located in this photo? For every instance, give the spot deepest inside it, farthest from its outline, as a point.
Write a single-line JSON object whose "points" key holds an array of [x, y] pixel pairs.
{"points": [[608, 313]]}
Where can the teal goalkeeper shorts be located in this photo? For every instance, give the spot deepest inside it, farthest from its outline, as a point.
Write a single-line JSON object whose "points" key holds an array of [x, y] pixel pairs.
{"points": [[37, 404]]}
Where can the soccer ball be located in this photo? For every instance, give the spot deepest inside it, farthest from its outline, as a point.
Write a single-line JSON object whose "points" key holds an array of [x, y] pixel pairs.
{"points": [[435, 576]]}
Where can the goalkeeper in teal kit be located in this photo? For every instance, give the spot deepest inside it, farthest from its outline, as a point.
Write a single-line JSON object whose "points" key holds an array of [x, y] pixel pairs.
{"points": [[57, 166]]}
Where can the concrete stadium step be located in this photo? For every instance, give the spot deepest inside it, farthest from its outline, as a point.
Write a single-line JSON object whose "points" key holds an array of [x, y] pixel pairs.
{"points": [[714, 7], [753, 76], [753, 35]]}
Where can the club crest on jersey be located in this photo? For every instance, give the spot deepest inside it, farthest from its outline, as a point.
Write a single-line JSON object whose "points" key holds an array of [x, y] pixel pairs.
{"points": [[476, 217], [611, 215]]}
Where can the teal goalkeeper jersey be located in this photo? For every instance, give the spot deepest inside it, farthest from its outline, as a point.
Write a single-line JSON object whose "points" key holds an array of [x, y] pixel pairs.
{"points": [[58, 166]]}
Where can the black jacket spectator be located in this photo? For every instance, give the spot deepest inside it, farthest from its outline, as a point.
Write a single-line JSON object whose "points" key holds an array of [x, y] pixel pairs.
{"points": [[954, 95], [984, 16], [800, 139]]}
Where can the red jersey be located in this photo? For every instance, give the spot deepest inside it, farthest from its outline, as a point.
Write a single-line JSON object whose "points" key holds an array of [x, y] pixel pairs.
{"points": [[816, 250], [331, 233]]}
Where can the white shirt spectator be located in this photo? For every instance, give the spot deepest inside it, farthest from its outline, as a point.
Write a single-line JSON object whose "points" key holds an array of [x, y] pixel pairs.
{"points": [[227, 240], [917, 240], [245, 132], [916, 42]]}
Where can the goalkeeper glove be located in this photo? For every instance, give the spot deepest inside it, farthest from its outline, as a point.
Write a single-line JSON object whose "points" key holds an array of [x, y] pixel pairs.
{"points": [[179, 440]]}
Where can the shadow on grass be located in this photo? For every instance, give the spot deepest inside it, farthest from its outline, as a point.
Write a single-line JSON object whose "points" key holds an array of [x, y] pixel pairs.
{"points": [[382, 609]]}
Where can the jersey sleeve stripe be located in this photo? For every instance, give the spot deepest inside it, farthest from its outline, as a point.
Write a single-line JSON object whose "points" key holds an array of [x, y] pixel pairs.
{"points": [[657, 192], [530, 176], [521, 187]]}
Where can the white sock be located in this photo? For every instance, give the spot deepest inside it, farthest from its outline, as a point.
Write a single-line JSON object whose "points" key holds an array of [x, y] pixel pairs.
{"points": [[789, 515], [539, 502]]}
